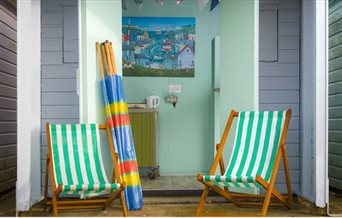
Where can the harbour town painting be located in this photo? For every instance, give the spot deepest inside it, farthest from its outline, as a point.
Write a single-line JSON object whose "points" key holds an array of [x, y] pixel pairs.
{"points": [[158, 46]]}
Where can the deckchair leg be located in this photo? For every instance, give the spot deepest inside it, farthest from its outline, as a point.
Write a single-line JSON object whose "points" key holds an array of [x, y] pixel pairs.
{"points": [[287, 175], [221, 164], [123, 204], [266, 201], [46, 180], [54, 204], [112, 196], [202, 201]]}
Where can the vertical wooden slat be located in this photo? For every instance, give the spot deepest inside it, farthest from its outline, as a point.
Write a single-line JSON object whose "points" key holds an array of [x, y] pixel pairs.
{"points": [[8, 99], [279, 81], [335, 95]]}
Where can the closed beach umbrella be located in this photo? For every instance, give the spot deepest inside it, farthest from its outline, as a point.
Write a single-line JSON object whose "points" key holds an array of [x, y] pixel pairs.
{"points": [[118, 119]]}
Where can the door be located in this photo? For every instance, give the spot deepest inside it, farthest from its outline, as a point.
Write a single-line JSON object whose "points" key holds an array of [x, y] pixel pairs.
{"points": [[215, 46]]}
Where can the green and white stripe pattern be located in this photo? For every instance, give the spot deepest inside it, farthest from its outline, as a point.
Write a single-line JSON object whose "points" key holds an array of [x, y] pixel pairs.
{"points": [[256, 143], [77, 159]]}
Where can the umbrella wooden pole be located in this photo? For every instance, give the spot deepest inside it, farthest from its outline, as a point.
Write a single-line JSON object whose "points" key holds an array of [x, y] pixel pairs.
{"points": [[104, 57], [106, 44], [99, 57], [112, 57]]}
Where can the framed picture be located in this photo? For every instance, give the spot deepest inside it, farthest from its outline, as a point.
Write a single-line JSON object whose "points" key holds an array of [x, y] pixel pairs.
{"points": [[158, 46]]}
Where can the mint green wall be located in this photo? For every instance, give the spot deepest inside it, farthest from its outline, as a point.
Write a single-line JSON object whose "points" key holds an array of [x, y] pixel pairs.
{"points": [[239, 62], [239, 56], [99, 20], [185, 132]]}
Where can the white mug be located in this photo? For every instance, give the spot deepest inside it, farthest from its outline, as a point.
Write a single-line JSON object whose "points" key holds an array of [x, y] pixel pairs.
{"points": [[152, 101]]}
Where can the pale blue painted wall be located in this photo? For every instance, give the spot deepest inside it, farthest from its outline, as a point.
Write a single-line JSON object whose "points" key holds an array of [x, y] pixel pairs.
{"points": [[186, 131]]}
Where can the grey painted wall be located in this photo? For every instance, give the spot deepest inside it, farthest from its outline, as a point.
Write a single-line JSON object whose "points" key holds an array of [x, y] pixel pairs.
{"points": [[59, 37], [279, 80], [335, 94], [8, 98]]}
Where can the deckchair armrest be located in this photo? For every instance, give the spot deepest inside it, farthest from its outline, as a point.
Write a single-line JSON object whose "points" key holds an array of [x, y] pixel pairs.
{"points": [[123, 184], [283, 149], [218, 146], [200, 177], [220, 162]]}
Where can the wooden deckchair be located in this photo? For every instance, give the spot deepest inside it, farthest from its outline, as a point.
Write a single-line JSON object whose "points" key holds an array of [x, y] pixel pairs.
{"points": [[74, 162], [258, 148]]}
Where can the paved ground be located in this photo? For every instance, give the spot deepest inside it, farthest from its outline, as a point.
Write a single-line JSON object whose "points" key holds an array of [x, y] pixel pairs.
{"points": [[7, 203], [335, 199], [177, 206], [183, 206]]}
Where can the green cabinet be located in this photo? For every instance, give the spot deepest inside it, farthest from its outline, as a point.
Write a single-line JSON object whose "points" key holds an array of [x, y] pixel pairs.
{"points": [[144, 130]]}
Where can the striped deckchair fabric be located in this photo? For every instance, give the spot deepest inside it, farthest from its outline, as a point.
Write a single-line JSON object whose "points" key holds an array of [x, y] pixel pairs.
{"points": [[256, 144], [74, 165], [259, 146], [77, 159]]}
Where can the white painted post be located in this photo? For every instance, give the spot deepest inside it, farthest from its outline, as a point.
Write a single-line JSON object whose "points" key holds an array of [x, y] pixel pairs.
{"points": [[307, 98], [321, 105], [256, 54], [28, 104]]}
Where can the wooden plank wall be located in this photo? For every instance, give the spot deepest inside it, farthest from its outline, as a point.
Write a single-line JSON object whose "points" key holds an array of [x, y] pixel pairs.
{"points": [[335, 94], [8, 98], [59, 51], [279, 81]]}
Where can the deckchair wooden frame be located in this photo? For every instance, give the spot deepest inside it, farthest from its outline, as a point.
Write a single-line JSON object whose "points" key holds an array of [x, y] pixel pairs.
{"points": [[269, 187], [57, 205]]}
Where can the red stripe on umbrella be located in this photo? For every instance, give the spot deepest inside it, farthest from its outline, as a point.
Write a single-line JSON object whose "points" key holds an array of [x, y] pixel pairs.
{"points": [[121, 120], [128, 166]]}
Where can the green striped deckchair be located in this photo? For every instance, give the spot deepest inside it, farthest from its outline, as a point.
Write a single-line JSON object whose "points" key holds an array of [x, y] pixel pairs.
{"points": [[258, 147], [75, 164]]}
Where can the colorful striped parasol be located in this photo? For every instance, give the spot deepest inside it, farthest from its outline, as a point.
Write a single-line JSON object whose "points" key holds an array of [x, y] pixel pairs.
{"points": [[118, 119]]}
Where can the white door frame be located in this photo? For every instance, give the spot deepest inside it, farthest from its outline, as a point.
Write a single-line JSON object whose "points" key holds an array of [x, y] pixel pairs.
{"points": [[28, 104], [314, 102], [321, 105]]}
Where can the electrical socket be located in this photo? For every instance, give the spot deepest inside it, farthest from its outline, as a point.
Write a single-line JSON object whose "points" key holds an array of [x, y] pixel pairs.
{"points": [[172, 99]]}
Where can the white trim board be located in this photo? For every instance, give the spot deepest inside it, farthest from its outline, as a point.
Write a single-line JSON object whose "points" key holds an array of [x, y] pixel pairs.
{"points": [[28, 104], [321, 105], [314, 102]]}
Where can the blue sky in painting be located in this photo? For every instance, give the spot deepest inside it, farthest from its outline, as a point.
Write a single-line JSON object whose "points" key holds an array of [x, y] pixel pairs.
{"points": [[152, 22]]}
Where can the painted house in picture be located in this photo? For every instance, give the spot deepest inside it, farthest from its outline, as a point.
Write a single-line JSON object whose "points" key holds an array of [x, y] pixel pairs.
{"points": [[153, 46], [186, 58]]}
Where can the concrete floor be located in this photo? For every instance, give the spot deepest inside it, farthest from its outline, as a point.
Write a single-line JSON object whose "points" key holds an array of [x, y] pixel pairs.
{"points": [[171, 183]]}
